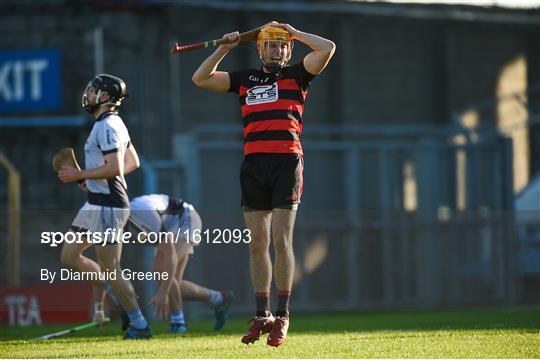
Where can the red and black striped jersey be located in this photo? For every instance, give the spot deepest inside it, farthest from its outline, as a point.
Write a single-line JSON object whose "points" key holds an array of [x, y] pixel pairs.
{"points": [[272, 108]]}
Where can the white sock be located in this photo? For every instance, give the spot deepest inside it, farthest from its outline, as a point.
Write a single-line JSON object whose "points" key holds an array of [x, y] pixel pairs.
{"points": [[215, 298], [177, 317]]}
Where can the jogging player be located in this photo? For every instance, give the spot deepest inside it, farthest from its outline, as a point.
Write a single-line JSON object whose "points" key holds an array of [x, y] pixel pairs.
{"points": [[109, 155]]}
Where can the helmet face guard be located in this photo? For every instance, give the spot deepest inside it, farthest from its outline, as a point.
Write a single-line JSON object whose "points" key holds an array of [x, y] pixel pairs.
{"points": [[274, 46], [104, 83]]}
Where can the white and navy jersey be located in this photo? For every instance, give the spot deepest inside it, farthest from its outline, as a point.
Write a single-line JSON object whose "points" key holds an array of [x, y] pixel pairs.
{"points": [[161, 213], [109, 135], [146, 209]]}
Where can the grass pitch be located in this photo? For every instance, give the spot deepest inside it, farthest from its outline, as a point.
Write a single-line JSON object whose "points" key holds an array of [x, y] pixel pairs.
{"points": [[411, 334]]}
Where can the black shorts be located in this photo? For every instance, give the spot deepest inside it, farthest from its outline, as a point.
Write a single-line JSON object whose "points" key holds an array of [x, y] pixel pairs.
{"points": [[271, 181]]}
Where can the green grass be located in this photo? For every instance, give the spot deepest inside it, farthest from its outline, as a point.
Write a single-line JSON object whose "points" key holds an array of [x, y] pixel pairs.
{"points": [[411, 334]]}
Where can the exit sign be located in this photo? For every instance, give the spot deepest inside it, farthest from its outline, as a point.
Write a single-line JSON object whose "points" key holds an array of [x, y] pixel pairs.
{"points": [[30, 80]]}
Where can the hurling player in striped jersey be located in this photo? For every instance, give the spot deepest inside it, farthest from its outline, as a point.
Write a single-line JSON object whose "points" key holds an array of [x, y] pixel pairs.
{"points": [[271, 99]]}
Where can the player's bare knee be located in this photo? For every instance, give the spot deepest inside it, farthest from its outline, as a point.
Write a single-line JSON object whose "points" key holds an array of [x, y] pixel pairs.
{"points": [[258, 248], [283, 246], [68, 258], [258, 235]]}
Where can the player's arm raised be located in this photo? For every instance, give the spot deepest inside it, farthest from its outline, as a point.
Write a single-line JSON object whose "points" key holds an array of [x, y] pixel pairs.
{"points": [[323, 49], [207, 76]]}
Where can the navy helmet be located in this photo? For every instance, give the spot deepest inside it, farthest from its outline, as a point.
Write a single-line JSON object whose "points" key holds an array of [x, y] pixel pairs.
{"points": [[112, 85]]}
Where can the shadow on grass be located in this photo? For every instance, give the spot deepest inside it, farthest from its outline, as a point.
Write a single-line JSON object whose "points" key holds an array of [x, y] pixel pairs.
{"points": [[528, 319]]}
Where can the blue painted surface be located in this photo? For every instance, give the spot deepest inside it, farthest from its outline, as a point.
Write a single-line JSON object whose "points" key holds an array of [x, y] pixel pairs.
{"points": [[43, 121], [30, 80]]}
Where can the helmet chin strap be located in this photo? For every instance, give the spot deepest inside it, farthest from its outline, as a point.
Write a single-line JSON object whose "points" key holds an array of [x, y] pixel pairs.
{"points": [[89, 108], [93, 108], [273, 67]]}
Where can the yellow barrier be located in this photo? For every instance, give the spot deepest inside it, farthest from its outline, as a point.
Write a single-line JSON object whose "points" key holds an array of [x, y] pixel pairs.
{"points": [[14, 222]]}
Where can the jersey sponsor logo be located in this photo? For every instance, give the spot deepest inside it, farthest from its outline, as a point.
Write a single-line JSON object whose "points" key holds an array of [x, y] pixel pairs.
{"points": [[262, 94], [256, 79]]}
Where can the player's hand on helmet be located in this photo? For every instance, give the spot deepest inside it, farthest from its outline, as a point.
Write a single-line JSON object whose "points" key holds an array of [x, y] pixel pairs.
{"points": [[161, 301], [233, 40], [289, 29], [272, 23], [69, 174]]}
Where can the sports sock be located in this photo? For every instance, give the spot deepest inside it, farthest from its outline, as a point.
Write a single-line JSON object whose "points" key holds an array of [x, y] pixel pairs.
{"points": [[137, 319], [108, 289], [215, 298], [283, 303], [263, 303], [177, 317]]}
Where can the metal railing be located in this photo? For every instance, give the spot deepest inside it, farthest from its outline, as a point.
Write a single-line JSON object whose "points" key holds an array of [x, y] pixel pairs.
{"points": [[378, 254]]}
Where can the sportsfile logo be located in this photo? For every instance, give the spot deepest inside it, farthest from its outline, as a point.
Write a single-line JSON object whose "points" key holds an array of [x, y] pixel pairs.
{"points": [[262, 94], [113, 236]]}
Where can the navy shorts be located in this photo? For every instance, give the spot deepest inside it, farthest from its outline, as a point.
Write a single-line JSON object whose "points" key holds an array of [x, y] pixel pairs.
{"points": [[271, 181]]}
